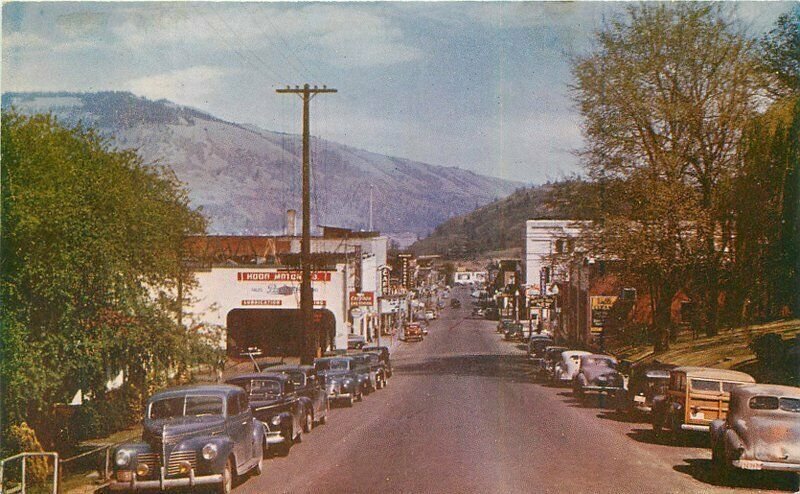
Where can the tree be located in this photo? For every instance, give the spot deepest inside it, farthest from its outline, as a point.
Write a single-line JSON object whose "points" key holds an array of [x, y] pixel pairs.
{"points": [[91, 258], [780, 49], [666, 96]]}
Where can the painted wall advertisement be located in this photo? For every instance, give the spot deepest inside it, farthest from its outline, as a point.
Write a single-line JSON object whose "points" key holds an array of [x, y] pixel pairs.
{"points": [[601, 306]]}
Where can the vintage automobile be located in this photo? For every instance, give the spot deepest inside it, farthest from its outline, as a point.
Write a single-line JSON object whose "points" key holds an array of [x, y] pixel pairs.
{"points": [[598, 373], [514, 332], [355, 341], [383, 352], [455, 303], [537, 344], [412, 332], [367, 372], [646, 381], [193, 436], [760, 432], [340, 379], [430, 315], [696, 396], [377, 365], [552, 355], [308, 389], [569, 365], [274, 402]]}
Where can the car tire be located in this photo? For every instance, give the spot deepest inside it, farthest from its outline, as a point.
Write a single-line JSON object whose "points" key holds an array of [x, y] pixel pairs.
{"points": [[360, 396], [350, 401], [308, 423], [226, 486], [324, 419], [721, 470], [286, 445]]}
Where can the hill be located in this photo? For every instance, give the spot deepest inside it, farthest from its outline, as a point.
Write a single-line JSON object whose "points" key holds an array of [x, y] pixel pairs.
{"points": [[245, 178], [498, 226]]}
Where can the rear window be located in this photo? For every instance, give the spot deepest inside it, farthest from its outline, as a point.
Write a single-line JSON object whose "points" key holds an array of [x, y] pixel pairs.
{"points": [[703, 385]]}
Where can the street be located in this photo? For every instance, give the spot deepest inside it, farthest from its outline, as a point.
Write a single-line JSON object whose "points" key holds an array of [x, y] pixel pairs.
{"points": [[463, 414]]}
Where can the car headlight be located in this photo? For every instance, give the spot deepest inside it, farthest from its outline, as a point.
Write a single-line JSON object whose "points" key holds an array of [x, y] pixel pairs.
{"points": [[122, 458], [276, 420], [209, 451]]}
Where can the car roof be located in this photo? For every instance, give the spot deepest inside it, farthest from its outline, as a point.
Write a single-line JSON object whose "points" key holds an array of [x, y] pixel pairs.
{"points": [[333, 357], [272, 376], [712, 373], [289, 367], [750, 390], [204, 389], [575, 353]]}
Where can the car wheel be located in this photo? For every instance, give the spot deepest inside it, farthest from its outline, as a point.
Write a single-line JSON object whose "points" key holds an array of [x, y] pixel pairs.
{"points": [[324, 419], [350, 400], [226, 486], [308, 424], [259, 468], [360, 396], [674, 431], [720, 468], [286, 445]]}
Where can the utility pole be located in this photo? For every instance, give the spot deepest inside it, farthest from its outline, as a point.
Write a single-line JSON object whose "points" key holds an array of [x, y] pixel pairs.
{"points": [[310, 333], [370, 207]]}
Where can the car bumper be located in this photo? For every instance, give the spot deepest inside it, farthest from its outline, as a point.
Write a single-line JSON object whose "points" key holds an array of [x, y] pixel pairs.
{"points": [[339, 396], [601, 389], [162, 483], [695, 427], [274, 438], [766, 465]]}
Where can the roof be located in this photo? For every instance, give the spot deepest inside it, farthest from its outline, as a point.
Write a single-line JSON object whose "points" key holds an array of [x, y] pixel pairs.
{"points": [[274, 376], [570, 353], [749, 390], [712, 373], [222, 389]]}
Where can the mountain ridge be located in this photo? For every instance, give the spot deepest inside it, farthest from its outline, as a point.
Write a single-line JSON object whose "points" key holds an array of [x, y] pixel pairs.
{"points": [[229, 168]]}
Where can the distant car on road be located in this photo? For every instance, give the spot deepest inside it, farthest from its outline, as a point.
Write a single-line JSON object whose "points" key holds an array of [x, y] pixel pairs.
{"points": [[274, 402], [598, 373], [760, 432], [379, 368], [569, 365], [355, 341], [514, 332], [367, 372], [412, 332], [552, 355], [192, 436], [340, 379], [537, 343], [430, 315], [383, 353], [696, 396], [455, 303]]}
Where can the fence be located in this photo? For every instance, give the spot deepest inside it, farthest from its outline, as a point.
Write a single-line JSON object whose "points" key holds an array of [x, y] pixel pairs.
{"points": [[21, 486]]}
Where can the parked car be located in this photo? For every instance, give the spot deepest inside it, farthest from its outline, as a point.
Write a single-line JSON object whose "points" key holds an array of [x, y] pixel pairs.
{"points": [[503, 325], [552, 355], [274, 402], [383, 353], [567, 368], [430, 315], [355, 341], [760, 432], [308, 389], [647, 381], [412, 332], [515, 332], [367, 372], [377, 365], [340, 379], [455, 303], [193, 436], [598, 374], [537, 343], [696, 396]]}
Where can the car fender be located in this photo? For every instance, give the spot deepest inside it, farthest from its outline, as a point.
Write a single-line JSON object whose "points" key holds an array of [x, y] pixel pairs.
{"points": [[734, 447], [306, 404], [716, 431], [224, 446]]}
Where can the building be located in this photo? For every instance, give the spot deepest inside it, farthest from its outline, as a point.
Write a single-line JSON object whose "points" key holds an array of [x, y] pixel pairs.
{"points": [[250, 286], [470, 277], [545, 241]]}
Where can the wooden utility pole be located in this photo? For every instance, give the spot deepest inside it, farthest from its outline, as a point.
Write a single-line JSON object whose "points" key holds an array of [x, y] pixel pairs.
{"points": [[310, 333]]}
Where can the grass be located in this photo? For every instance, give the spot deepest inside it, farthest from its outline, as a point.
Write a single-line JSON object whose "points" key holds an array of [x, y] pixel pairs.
{"points": [[728, 350]]}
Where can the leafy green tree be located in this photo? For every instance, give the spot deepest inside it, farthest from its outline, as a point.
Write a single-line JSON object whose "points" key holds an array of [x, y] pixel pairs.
{"points": [[666, 96], [91, 261]]}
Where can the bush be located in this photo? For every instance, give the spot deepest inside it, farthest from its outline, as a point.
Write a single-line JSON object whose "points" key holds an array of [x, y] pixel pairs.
{"points": [[21, 438]]}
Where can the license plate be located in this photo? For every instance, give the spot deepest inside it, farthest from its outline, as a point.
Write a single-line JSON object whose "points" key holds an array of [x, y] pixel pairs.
{"points": [[749, 465], [639, 399]]}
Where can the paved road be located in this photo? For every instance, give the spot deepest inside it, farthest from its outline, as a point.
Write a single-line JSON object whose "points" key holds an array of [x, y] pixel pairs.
{"points": [[462, 414]]}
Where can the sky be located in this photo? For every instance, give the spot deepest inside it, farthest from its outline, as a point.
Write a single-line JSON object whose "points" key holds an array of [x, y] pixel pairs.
{"points": [[483, 86]]}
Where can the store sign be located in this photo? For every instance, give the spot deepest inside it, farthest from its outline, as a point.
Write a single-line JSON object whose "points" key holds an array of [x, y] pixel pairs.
{"points": [[362, 299], [273, 303], [540, 302], [601, 306], [281, 276]]}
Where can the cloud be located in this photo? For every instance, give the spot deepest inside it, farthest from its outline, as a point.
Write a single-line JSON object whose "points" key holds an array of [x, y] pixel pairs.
{"points": [[189, 86], [17, 40]]}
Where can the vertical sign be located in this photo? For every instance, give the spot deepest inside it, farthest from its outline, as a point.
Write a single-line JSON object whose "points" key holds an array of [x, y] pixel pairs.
{"points": [[601, 306]]}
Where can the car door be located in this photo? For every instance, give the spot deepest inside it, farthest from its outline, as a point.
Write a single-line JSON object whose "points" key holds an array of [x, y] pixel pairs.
{"points": [[236, 427], [248, 424]]}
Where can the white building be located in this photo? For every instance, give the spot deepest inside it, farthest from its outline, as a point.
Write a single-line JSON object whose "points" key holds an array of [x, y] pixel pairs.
{"points": [[543, 240], [469, 277]]}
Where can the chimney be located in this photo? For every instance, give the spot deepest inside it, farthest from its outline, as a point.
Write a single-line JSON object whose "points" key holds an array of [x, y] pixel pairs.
{"points": [[291, 227]]}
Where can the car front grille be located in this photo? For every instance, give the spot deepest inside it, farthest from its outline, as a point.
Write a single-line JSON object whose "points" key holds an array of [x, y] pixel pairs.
{"points": [[151, 460], [180, 456]]}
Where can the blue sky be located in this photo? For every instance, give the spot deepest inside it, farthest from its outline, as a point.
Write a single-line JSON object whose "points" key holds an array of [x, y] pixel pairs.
{"points": [[481, 86]]}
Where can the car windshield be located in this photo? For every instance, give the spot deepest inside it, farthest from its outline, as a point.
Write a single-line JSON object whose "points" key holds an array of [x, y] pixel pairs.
{"points": [[336, 364], [600, 361], [775, 403], [261, 388], [186, 406]]}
